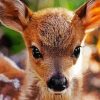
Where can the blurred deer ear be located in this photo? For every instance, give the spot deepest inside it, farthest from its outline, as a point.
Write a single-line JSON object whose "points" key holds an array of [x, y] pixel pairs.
{"points": [[81, 11], [14, 14]]}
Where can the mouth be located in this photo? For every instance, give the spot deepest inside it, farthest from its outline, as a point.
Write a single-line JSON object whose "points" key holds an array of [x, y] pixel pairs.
{"points": [[57, 92]]}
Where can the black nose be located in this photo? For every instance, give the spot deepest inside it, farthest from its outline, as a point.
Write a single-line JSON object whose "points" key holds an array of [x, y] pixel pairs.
{"points": [[57, 83]]}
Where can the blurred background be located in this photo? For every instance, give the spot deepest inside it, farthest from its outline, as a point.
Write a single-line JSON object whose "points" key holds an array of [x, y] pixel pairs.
{"points": [[12, 45]]}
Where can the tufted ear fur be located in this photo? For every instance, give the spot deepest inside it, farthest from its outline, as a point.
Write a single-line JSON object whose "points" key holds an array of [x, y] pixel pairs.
{"points": [[81, 11], [89, 14], [14, 14]]}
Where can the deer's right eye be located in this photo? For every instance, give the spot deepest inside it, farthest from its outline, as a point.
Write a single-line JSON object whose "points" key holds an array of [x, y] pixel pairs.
{"points": [[36, 53]]}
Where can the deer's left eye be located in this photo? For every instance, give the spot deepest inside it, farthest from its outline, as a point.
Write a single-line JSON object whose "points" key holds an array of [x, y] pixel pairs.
{"points": [[76, 51], [36, 53]]}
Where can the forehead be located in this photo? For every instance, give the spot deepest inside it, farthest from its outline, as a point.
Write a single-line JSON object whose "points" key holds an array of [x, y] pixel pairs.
{"points": [[55, 28]]}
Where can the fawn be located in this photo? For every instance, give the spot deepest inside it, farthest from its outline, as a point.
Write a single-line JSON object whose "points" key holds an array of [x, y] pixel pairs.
{"points": [[53, 39]]}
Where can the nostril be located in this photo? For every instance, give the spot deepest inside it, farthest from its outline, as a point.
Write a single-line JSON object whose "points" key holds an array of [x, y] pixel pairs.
{"points": [[57, 83]]}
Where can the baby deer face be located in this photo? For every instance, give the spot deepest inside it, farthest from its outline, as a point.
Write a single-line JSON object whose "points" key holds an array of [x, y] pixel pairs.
{"points": [[55, 50], [53, 39]]}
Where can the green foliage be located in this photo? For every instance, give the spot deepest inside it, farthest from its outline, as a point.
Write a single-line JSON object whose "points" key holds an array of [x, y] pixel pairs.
{"points": [[69, 4], [74, 4], [57, 3], [15, 40]]}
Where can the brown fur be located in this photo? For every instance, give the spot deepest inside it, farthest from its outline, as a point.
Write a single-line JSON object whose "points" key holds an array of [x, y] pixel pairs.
{"points": [[56, 33]]}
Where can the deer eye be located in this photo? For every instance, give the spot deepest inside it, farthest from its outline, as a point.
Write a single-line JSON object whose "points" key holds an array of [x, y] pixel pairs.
{"points": [[76, 51], [36, 53]]}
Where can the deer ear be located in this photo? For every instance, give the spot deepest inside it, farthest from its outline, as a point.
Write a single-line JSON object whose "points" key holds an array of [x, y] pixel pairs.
{"points": [[84, 12], [14, 14], [81, 11]]}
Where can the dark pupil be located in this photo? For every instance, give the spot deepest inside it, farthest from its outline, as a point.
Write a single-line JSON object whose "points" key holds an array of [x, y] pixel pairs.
{"points": [[36, 53], [77, 51]]}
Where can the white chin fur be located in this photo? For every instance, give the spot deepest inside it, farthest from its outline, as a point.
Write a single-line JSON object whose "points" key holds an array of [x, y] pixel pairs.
{"points": [[56, 92]]}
